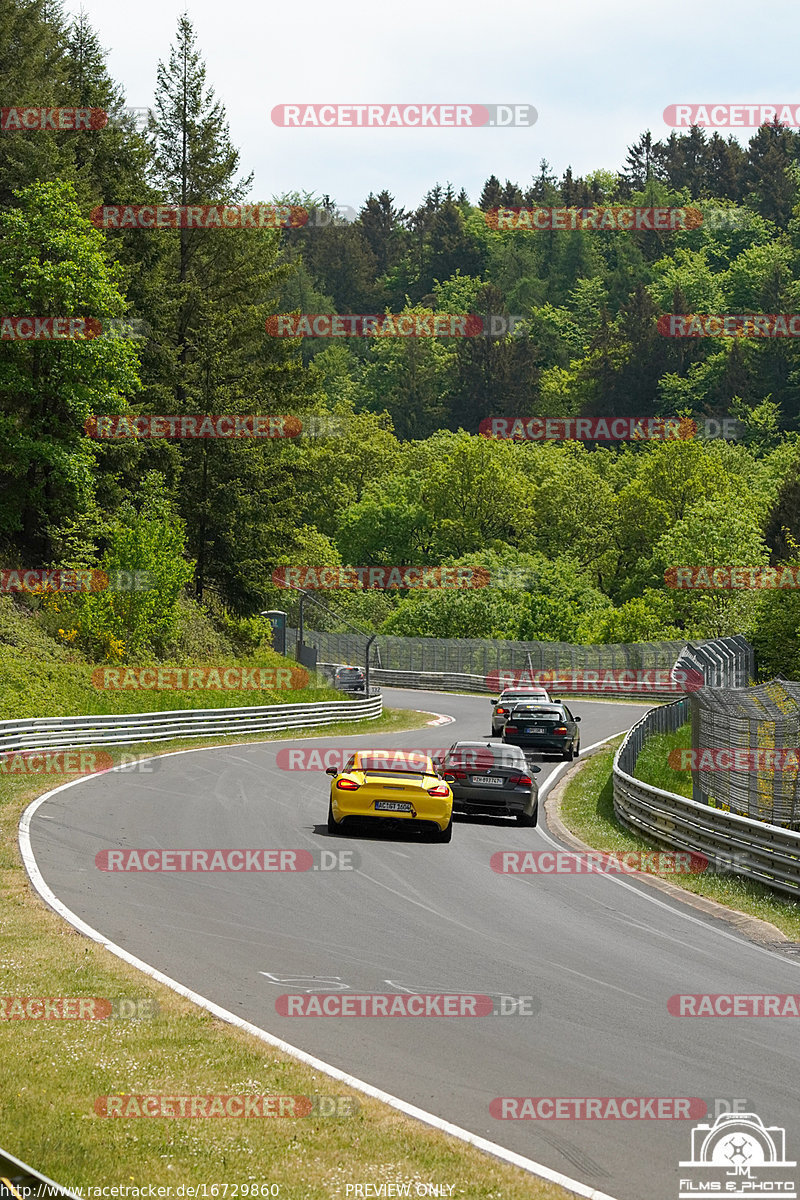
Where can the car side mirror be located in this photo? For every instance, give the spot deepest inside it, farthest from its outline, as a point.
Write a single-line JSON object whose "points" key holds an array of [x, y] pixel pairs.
{"points": [[534, 769], [331, 771], [495, 700], [576, 718]]}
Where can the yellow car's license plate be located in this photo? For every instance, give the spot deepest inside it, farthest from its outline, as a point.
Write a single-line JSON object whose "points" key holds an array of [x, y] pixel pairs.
{"points": [[393, 805]]}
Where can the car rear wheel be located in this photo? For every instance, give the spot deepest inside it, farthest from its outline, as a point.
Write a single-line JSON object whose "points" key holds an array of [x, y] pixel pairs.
{"points": [[569, 754], [333, 825], [446, 834], [528, 819]]}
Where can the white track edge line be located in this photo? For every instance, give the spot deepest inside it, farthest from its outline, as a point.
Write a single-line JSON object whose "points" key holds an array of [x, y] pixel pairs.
{"points": [[411, 1110], [38, 1174]]}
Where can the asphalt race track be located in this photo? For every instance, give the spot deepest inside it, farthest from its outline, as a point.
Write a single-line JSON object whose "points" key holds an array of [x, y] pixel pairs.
{"points": [[600, 955]]}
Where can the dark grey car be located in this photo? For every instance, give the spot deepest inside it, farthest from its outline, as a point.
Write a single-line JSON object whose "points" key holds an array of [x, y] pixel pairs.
{"points": [[548, 727], [488, 777], [349, 679]]}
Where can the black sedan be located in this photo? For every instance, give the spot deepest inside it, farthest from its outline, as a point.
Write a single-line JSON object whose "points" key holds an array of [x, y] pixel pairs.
{"points": [[488, 777], [550, 728]]}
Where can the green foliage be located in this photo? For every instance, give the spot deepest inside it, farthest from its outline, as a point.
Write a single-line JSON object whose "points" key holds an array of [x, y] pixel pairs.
{"points": [[129, 622], [54, 263], [405, 479]]}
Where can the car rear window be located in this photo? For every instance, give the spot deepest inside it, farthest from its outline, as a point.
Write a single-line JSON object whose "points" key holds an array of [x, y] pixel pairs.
{"points": [[523, 696], [484, 757], [530, 710]]}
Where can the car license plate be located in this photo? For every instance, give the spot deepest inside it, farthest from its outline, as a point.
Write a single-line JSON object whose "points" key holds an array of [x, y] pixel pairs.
{"points": [[493, 779], [393, 805], [535, 729]]}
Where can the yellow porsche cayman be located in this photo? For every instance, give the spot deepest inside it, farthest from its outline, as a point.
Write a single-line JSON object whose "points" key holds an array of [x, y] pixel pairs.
{"points": [[391, 785]]}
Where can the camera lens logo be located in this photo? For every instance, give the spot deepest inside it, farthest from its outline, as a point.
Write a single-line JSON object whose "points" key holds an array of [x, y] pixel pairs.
{"points": [[738, 1155]]}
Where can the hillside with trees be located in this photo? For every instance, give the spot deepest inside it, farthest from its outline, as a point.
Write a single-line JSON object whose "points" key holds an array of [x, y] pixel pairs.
{"points": [[577, 536]]}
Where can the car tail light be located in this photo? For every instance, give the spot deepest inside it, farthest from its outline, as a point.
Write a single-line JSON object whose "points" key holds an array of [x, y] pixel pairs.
{"points": [[347, 785], [560, 729], [441, 789], [455, 773], [520, 780], [511, 729], [501, 712]]}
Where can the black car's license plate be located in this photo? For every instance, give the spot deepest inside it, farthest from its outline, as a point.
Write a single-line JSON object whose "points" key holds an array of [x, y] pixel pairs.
{"points": [[535, 729], [393, 805], [492, 779]]}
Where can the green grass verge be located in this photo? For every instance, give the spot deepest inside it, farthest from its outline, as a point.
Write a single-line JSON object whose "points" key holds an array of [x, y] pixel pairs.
{"points": [[38, 687], [652, 765], [54, 1070], [587, 809]]}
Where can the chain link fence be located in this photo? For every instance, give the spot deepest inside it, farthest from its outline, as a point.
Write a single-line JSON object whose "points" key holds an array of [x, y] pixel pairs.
{"points": [[746, 751], [724, 661]]}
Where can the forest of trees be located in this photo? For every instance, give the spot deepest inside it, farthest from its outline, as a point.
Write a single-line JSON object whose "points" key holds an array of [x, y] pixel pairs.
{"points": [[578, 536]]}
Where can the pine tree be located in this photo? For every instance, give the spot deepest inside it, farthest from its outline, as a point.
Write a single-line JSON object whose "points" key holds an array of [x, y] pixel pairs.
{"points": [[490, 196], [112, 163], [33, 71], [382, 226], [511, 196], [210, 292], [769, 154], [639, 163], [726, 163]]}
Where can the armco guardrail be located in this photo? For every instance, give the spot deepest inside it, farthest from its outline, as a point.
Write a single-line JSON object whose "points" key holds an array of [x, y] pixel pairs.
{"points": [[63, 733], [753, 849]]}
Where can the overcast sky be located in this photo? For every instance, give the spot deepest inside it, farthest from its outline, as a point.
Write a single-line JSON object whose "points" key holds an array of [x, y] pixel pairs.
{"points": [[598, 74]]}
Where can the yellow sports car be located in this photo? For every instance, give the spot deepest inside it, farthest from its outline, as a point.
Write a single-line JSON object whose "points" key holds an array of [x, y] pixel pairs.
{"points": [[391, 785]]}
